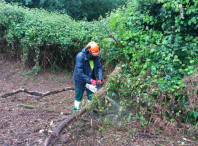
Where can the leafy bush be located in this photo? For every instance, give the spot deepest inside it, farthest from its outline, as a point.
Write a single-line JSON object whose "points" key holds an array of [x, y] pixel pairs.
{"points": [[159, 47], [43, 38]]}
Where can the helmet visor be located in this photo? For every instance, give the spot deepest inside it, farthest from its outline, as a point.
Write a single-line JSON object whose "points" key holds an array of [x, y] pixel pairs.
{"points": [[95, 54], [91, 56]]}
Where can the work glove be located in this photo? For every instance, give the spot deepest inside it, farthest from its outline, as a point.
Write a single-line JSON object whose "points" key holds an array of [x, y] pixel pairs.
{"points": [[99, 82], [93, 82]]}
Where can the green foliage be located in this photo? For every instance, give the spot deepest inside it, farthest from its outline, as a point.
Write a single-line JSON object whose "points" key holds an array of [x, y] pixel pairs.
{"points": [[192, 117], [158, 49], [44, 39], [79, 9]]}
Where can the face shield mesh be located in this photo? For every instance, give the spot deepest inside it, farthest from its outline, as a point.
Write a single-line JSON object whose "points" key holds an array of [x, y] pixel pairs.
{"points": [[91, 56]]}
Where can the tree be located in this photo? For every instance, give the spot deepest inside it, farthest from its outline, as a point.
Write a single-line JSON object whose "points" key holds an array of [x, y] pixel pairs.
{"points": [[77, 9]]}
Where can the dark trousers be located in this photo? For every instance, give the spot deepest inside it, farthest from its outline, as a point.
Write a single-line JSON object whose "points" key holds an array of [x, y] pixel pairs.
{"points": [[79, 94]]}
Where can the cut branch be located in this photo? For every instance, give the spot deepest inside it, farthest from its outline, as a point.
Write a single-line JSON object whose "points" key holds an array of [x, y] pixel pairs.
{"points": [[40, 94], [59, 129], [112, 36]]}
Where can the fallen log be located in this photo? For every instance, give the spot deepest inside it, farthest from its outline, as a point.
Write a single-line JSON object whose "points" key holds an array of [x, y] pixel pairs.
{"points": [[59, 129], [40, 94], [66, 137]]}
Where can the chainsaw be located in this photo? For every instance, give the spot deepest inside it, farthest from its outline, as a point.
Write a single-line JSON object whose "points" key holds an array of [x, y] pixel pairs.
{"points": [[93, 88]]}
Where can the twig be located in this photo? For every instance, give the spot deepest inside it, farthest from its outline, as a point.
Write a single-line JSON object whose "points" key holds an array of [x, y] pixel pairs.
{"points": [[112, 36], [40, 94], [190, 140], [185, 123], [146, 134], [58, 120], [193, 55], [119, 94]]}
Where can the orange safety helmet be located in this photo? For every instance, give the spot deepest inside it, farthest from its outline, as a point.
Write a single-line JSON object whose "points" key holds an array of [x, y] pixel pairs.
{"points": [[93, 48]]}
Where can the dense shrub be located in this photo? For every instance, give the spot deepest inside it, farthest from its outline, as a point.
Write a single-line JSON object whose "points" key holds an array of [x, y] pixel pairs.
{"points": [[43, 38], [159, 48]]}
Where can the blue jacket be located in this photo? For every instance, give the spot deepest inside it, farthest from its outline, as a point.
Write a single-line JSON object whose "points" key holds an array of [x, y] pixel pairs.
{"points": [[82, 72]]}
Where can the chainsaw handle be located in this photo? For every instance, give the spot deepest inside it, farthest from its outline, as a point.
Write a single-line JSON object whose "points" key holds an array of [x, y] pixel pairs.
{"points": [[98, 85]]}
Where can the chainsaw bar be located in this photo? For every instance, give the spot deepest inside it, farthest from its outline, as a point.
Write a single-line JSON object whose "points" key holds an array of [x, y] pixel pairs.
{"points": [[91, 87]]}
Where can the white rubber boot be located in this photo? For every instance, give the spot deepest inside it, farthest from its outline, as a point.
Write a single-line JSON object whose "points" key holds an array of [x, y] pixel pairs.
{"points": [[76, 105]]}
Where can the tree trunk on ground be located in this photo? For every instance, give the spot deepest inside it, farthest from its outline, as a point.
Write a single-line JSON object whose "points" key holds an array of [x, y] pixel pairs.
{"points": [[58, 130]]}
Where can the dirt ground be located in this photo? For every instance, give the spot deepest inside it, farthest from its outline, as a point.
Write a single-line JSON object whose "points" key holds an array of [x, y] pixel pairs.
{"points": [[22, 126]]}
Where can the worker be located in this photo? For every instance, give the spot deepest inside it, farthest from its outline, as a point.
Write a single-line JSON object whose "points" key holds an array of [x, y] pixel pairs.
{"points": [[87, 68]]}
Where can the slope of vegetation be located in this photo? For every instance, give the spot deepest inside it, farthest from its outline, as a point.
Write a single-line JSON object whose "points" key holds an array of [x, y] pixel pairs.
{"points": [[157, 44]]}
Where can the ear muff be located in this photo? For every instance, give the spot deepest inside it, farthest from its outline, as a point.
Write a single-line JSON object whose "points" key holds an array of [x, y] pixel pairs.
{"points": [[88, 49]]}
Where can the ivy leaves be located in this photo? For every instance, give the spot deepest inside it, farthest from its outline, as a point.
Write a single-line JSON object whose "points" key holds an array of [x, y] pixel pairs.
{"points": [[158, 45]]}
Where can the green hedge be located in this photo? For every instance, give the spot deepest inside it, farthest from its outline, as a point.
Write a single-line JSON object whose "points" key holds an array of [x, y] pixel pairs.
{"points": [[41, 38], [154, 36]]}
